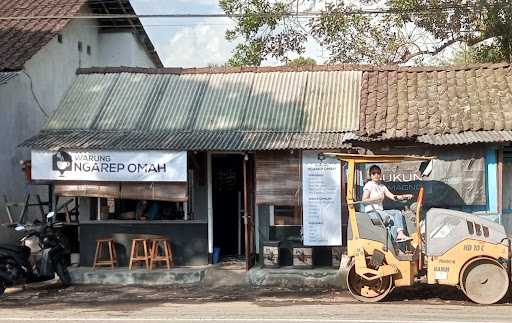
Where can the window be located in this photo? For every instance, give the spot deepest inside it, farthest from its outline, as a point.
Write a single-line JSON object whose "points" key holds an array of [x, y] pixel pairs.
{"points": [[142, 210], [80, 46], [286, 215], [486, 231], [471, 229], [88, 49], [59, 38], [478, 229]]}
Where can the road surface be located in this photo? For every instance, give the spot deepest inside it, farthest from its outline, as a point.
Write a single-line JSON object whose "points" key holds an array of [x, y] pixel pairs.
{"points": [[52, 303]]}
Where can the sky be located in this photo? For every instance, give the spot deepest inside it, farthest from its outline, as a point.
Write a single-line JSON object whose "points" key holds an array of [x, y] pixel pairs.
{"points": [[198, 42]]}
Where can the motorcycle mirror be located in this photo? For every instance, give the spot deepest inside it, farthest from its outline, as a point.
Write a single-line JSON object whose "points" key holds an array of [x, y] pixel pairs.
{"points": [[19, 228]]}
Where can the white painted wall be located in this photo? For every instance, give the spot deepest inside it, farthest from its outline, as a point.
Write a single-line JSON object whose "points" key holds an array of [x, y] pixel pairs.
{"points": [[122, 49], [47, 76]]}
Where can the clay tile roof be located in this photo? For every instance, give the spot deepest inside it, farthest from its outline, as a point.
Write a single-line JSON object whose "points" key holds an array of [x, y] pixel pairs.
{"points": [[21, 39], [411, 102]]}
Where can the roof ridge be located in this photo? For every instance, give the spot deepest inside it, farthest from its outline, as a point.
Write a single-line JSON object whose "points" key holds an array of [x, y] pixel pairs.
{"points": [[307, 68]]}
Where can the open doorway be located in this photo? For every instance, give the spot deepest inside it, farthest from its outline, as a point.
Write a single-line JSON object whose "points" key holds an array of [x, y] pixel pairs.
{"points": [[228, 205]]}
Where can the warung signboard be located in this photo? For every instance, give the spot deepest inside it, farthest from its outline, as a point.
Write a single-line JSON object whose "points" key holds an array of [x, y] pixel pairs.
{"points": [[115, 166]]}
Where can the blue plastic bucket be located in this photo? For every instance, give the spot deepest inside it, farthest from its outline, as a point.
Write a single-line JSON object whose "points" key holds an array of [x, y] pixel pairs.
{"points": [[216, 255]]}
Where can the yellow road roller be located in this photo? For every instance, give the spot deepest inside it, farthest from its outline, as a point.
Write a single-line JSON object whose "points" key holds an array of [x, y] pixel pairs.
{"points": [[447, 247]]}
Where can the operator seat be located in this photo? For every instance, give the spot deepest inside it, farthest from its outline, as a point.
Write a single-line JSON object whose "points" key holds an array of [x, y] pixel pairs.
{"points": [[371, 228]]}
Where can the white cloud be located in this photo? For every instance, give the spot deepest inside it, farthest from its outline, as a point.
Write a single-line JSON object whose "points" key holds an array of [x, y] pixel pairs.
{"points": [[197, 46], [200, 2]]}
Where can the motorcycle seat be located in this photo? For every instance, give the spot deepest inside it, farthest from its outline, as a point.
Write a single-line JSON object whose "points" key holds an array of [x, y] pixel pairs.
{"points": [[8, 249]]}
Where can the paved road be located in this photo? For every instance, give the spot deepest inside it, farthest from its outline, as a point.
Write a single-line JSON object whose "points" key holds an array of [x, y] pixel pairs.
{"points": [[164, 304]]}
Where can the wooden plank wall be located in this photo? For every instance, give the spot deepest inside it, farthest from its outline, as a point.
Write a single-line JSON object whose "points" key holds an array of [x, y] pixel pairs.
{"points": [[278, 178], [174, 192]]}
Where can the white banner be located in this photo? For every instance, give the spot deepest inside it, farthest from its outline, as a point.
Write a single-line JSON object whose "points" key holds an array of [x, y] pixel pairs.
{"points": [[321, 198], [113, 166]]}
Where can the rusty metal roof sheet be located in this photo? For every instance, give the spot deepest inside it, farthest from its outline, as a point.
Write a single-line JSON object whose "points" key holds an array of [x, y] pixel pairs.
{"points": [[469, 137], [204, 140]]}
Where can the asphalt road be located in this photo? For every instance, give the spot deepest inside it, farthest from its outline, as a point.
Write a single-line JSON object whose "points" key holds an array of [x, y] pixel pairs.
{"points": [[167, 304]]}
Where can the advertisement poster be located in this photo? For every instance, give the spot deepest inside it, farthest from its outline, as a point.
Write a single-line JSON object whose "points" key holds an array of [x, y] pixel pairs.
{"points": [[114, 166], [321, 198]]}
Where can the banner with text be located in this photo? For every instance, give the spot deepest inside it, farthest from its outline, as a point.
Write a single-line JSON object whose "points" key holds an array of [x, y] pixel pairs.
{"points": [[112, 166], [321, 198]]}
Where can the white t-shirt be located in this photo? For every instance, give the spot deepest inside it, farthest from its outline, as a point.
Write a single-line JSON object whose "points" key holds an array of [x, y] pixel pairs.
{"points": [[376, 191]]}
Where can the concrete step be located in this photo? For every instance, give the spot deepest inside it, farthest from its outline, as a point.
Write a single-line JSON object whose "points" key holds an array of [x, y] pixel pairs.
{"points": [[124, 276], [214, 276]]}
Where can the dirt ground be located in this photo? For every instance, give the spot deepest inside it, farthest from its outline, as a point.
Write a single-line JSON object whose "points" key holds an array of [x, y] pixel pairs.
{"points": [[51, 303], [133, 297]]}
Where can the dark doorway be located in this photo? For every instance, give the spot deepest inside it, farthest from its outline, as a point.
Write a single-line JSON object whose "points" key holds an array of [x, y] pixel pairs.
{"points": [[227, 202]]}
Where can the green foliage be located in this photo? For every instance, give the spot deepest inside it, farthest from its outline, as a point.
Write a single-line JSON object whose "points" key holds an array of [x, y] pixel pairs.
{"points": [[482, 53], [301, 61], [261, 25], [407, 30]]}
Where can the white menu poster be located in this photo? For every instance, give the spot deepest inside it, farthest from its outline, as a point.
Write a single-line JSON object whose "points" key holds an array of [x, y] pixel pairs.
{"points": [[321, 198]]}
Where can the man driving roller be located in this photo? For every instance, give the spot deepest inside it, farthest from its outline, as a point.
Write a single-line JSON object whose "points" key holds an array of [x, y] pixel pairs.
{"points": [[374, 193]]}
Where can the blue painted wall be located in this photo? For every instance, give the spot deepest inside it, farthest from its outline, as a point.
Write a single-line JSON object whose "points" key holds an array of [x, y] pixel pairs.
{"points": [[491, 167]]}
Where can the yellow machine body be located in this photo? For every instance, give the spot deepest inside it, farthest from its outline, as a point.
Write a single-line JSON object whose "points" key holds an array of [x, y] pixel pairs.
{"points": [[447, 268]]}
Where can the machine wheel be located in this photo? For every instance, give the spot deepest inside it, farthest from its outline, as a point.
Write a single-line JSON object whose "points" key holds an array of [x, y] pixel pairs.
{"points": [[368, 290], [484, 281]]}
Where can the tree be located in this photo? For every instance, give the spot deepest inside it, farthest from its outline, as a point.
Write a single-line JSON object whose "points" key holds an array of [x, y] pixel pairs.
{"points": [[301, 61], [483, 53], [262, 26], [402, 31]]}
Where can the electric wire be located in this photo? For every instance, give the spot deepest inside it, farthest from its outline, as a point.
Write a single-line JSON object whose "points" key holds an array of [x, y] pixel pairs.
{"points": [[224, 15], [34, 95]]}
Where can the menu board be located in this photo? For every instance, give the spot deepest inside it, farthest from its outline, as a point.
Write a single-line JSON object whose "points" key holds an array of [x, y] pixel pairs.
{"points": [[321, 198]]}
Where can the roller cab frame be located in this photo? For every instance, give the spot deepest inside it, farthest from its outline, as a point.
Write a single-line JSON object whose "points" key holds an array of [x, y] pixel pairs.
{"points": [[456, 248]]}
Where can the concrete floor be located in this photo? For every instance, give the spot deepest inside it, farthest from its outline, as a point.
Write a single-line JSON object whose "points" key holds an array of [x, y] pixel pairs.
{"points": [[51, 303]]}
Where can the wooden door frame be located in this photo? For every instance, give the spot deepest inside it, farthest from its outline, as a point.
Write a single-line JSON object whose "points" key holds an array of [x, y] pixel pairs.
{"points": [[249, 210]]}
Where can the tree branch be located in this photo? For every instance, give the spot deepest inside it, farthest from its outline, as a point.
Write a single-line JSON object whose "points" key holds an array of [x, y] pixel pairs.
{"points": [[409, 56]]}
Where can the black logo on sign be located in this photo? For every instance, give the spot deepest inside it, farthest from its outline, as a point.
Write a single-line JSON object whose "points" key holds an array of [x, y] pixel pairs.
{"points": [[62, 162]]}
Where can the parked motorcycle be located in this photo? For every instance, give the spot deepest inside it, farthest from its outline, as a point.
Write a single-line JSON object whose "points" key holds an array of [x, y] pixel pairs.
{"points": [[41, 255]]}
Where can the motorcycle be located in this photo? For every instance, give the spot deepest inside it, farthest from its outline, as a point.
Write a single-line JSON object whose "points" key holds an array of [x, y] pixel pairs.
{"points": [[42, 254]]}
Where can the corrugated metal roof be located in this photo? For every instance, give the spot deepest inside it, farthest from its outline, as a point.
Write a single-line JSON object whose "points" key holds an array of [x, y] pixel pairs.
{"points": [[204, 140], [468, 137], [329, 99], [229, 111], [7, 76], [84, 101], [223, 103], [274, 101]]}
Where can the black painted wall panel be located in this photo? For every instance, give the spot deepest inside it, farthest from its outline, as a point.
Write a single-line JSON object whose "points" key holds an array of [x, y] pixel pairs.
{"points": [[189, 241]]}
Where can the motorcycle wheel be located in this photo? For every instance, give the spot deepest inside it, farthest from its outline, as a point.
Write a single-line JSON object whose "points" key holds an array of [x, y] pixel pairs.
{"points": [[2, 288], [63, 273]]}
